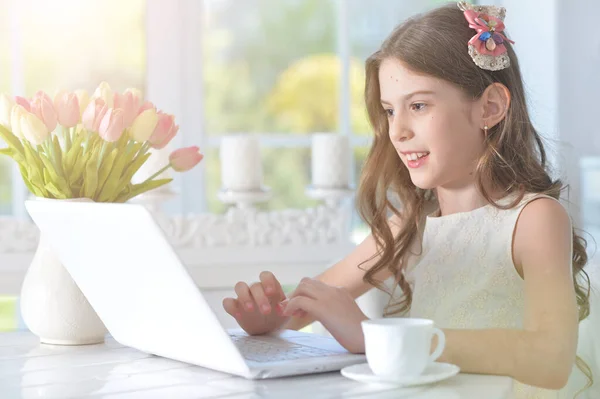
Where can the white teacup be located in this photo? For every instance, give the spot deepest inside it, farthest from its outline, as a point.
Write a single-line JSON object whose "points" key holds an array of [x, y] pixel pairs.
{"points": [[400, 347]]}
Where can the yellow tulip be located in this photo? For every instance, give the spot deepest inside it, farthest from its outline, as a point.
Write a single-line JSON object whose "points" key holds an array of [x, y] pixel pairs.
{"points": [[33, 129], [104, 92], [84, 99], [143, 125], [6, 104], [16, 115], [137, 93]]}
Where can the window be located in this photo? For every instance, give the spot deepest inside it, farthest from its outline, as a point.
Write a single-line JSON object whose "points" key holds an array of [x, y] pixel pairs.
{"points": [[590, 199], [8, 313], [67, 44], [5, 165], [280, 68], [277, 68], [270, 67]]}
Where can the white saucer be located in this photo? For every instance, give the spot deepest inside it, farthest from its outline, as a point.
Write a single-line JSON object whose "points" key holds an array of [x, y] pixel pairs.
{"points": [[433, 373]]}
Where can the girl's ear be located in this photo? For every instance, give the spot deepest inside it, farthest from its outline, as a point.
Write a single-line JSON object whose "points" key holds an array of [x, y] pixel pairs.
{"points": [[495, 103]]}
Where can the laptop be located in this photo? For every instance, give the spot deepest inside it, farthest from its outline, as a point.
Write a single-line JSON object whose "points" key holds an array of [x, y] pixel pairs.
{"points": [[124, 264]]}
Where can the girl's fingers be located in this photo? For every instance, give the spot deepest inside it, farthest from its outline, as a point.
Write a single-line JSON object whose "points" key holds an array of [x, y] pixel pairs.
{"points": [[260, 298], [232, 307], [308, 288], [244, 296], [300, 303], [271, 286]]}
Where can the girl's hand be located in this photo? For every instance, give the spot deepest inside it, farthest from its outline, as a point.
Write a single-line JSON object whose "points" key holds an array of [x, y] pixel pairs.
{"points": [[334, 307], [255, 307]]}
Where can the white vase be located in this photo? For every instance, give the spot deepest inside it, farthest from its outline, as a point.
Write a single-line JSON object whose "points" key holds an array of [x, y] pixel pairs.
{"points": [[52, 306]]}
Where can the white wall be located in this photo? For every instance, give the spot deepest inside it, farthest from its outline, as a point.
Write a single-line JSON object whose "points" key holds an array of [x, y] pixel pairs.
{"points": [[526, 23], [579, 84], [559, 53]]}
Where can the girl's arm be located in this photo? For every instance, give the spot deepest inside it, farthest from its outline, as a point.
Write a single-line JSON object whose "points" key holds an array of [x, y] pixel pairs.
{"points": [[347, 274], [543, 353]]}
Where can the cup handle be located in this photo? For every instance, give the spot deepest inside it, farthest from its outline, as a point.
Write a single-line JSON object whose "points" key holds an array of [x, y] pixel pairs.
{"points": [[441, 344]]}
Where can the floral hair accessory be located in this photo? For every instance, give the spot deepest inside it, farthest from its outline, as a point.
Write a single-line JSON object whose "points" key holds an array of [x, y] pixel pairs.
{"points": [[487, 47]]}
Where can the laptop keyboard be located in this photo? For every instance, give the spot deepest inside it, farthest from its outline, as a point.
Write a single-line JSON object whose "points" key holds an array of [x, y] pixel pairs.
{"points": [[260, 350]]}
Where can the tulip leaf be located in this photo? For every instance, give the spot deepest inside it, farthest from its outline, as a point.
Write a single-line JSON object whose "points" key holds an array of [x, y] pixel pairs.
{"points": [[69, 159], [31, 156], [70, 171], [50, 176], [34, 172], [34, 168], [58, 155], [137, 189], [131, 169], [34, 190], [90, 177], [12, 140], [36, 180], [68, 141], [52, 189], [46, 175], [105, 169], [8, 152]]}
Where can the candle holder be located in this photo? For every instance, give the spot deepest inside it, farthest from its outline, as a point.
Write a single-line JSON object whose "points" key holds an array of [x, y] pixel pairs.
{"points": [[244, 199], [332, 196]]}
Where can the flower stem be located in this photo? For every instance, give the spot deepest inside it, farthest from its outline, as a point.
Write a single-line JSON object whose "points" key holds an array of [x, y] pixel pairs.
{"points": [[156, 174], [145, 147], [86, 142], [102, 150], [53, 156], [67, 137]]}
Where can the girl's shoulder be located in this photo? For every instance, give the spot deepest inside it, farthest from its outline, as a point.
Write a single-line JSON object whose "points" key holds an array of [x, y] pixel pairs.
{"points": [[534, 204], [543, 226], [535, 211], [541, 209]]}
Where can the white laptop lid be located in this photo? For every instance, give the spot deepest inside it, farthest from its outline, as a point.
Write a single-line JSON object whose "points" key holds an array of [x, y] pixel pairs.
{"points": [[132, 277]]}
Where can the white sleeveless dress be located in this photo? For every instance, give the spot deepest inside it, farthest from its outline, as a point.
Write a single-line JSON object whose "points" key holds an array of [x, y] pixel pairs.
{"points": [[464, 277]]}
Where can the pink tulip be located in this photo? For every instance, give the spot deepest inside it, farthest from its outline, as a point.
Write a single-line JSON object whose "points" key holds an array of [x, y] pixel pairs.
{"points": [[130, 104], [67, 108], [145, 106], [164, 131], [23, 102], [93, 114], [184, 159], [112, 125], [43, 107]]}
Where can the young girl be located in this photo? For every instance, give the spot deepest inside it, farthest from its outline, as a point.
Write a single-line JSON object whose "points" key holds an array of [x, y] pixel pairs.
{"points": [[481, 244]]}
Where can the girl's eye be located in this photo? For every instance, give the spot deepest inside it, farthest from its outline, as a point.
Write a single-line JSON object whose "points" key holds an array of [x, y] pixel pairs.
{"points": [[389, 112], [418, 106]]}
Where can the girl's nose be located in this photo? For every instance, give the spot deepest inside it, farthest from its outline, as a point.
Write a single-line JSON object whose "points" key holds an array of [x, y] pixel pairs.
{"points": [[400, 133]]}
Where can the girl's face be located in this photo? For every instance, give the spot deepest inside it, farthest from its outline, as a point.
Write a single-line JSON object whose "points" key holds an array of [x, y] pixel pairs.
{"points": [[434, 127]]}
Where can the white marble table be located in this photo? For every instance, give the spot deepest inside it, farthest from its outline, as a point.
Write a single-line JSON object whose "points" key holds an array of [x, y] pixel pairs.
{"points": [[110, 370]]}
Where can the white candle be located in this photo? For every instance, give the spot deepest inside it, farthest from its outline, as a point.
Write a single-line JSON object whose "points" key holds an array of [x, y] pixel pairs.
{"points": [[241, 164], [330, 162]]}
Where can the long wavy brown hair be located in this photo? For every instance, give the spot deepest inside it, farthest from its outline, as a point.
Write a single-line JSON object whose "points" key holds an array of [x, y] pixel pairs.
{"points": [[514, 159]]}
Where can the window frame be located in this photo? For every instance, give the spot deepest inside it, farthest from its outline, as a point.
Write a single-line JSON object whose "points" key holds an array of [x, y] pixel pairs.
{"points": [[181, 41]]}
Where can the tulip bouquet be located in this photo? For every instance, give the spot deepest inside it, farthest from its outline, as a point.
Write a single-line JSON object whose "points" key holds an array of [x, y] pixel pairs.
{"points": [[74, 146]]}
